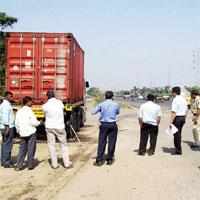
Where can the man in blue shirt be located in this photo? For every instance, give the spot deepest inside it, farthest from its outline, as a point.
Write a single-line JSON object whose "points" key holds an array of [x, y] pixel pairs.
{"points": [[108, 129], [7, 125]]}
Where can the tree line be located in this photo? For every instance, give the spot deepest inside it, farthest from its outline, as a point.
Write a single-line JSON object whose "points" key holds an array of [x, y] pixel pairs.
{"points": [[5, 22]]}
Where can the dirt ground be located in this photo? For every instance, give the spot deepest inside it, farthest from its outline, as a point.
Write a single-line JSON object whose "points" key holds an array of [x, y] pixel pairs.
{"points": [[160, 177], [43, 182]]}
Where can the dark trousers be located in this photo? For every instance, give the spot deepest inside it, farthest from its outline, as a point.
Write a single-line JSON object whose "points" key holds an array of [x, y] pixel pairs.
{"points": [[108, 132], [27, 146], [7, 146], [179, 121], [146, 131]]}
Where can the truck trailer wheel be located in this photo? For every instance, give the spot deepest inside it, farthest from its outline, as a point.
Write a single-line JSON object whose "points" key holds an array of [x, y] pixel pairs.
{"points": [[78, 120], [73, 121], [82, 117]]}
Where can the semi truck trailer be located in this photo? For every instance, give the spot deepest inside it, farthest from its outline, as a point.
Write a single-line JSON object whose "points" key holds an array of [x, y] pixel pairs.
{"points": [[37, 62]]}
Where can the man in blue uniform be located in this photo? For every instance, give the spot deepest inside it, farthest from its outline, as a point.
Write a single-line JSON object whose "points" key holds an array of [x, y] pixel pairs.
{"points": [[108, 129]]}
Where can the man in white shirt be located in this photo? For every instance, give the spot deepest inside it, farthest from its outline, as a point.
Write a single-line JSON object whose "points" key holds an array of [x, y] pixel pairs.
{"points": [[8, 130], [26, 124], [149, 120], [178, 115], [55, 128]]}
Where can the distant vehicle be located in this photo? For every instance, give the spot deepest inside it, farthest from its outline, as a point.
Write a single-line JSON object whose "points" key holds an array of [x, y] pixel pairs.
{"points": [[166, 98], [159, 99], [126, 95], [162, 98], [140, 97]]}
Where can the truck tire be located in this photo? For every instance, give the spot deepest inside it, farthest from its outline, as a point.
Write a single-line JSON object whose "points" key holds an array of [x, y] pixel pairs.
{"points": [[73, 121], [78, 122], [82, 117]]}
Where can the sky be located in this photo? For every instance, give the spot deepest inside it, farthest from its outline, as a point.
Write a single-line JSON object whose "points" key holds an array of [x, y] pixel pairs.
{"points": [[127, 43]]}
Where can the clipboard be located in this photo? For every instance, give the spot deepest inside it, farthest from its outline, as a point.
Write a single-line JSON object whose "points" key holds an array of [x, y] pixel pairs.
{"points": [[171, 130]]}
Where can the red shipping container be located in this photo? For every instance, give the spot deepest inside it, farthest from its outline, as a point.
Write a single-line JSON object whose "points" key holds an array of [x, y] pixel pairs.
{"points": [[37, 62]]}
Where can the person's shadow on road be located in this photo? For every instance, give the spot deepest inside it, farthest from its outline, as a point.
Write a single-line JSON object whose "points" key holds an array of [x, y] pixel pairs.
{"points": [[189, 143], [168, 150]]}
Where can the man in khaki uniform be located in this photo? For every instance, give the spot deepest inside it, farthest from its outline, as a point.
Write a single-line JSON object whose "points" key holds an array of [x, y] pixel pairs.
{"points": [[195, 109]]}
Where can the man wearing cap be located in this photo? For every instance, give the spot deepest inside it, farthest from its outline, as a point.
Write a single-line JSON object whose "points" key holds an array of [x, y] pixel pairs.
{"points": [[195, 109], [55, 128], [108, 129]]}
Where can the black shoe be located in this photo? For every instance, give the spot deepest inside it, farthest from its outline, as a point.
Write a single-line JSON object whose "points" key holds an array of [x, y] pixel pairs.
{"points": [[150, 152], [195, 146], [31, 168], [19, 168], [8, 166], [141, 154], [110, 162], [54, 167], [99, 163]]}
